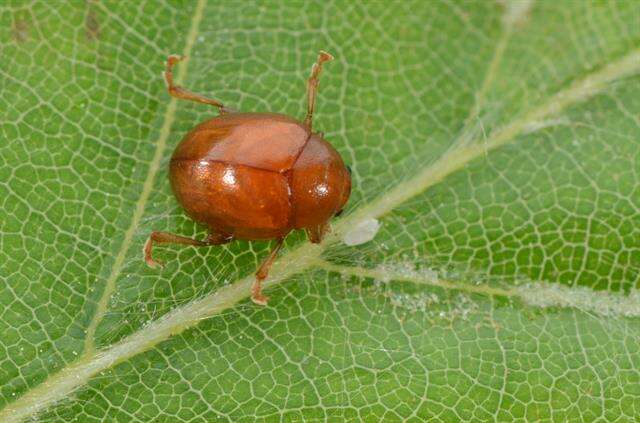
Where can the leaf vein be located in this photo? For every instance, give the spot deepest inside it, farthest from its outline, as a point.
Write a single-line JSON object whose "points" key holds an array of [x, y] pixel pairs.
{"points": [[154, 166]]}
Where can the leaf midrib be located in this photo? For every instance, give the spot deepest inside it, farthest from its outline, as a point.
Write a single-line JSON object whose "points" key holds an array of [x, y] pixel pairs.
{"points": [[307, 255]]}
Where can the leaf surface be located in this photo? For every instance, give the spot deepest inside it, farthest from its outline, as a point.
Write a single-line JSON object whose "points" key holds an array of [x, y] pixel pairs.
{"points": [[496, 144]]}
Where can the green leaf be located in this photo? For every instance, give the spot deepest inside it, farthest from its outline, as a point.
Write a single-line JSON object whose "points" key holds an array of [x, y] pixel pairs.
{"points": [[497, 144]]}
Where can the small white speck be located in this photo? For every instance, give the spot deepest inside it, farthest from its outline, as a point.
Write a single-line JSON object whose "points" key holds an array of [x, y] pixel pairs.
{"points": [[363, 232]]}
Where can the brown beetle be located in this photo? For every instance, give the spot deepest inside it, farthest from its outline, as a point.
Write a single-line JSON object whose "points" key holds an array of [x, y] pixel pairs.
{"points": [[255, 176]]}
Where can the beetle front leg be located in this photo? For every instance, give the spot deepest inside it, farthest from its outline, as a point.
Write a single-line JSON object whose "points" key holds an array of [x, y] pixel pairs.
{"points": [[317, 233], [181, 93], [262, 273], [312, 87], [169, 238]]}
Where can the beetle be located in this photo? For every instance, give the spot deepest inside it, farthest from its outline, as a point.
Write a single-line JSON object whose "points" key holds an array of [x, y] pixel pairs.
{"points": [[254, 176]]}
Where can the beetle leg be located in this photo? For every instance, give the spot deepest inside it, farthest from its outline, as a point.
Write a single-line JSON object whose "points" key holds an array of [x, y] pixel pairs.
{"points": [[262, 273], [312, 86], [169, 238], [317, 233], [183, 94]]}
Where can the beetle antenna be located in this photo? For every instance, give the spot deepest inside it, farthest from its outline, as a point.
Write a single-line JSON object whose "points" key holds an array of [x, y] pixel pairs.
{"points": [[312, 86]]}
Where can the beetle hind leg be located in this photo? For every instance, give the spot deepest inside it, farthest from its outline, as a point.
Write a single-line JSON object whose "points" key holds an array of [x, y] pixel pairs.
{"points": [[262, 273], [169, 238]]}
